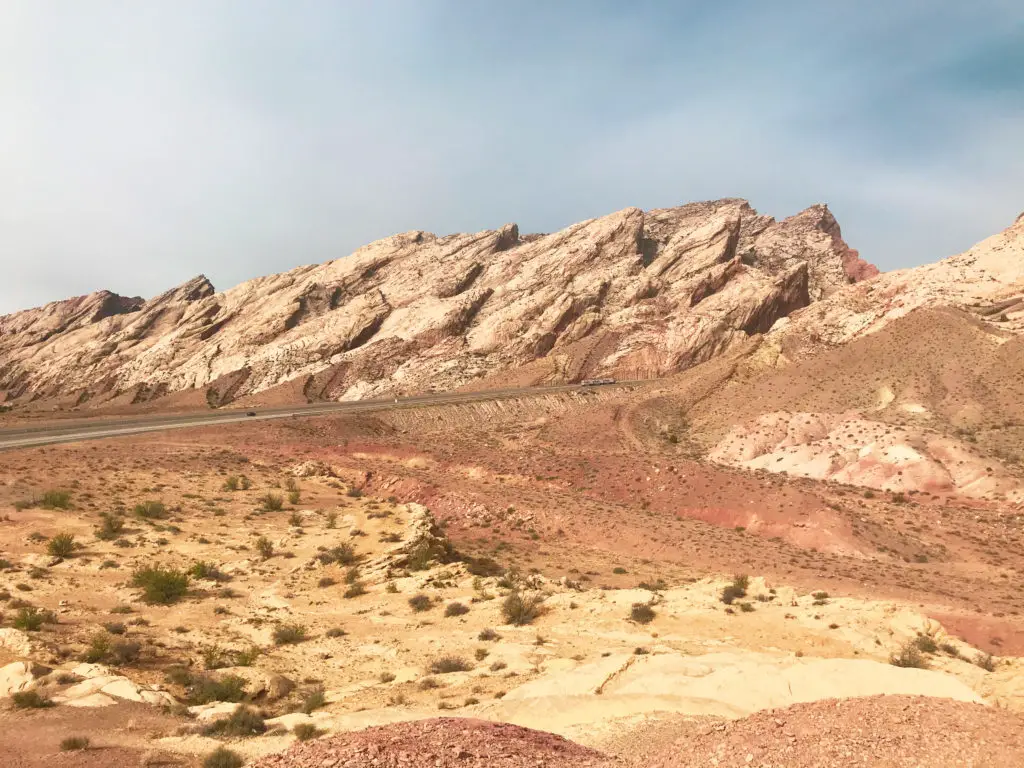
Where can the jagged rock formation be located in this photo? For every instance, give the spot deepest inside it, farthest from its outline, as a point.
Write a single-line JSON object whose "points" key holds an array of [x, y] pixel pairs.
{"points": [[632, 294]]}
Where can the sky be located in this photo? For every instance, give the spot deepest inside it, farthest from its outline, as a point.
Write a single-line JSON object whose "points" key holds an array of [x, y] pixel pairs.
{"points": [[143, 143]]}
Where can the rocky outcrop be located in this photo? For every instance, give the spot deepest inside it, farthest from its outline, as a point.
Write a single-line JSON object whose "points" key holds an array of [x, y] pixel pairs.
{"points": [[664, 289]]}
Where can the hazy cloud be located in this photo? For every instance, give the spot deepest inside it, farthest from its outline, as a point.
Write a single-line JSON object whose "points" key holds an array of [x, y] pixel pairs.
{"points": [[143, 143]]}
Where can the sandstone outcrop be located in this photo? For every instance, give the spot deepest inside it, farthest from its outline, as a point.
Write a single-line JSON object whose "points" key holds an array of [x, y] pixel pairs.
{"points": [[632, 294]]}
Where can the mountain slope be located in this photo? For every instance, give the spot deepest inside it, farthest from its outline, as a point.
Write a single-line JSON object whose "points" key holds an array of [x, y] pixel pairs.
{"points": [[632, 294]]}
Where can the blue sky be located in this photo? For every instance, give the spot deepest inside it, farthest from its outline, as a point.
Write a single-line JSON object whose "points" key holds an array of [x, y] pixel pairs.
{"points": [[144, 143]]}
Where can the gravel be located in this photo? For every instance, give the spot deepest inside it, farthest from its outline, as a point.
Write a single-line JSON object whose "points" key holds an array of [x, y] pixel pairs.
{"points": [[439, 743]]}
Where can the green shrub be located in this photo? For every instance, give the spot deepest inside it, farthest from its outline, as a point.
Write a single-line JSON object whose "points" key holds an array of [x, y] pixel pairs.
{"points": [[204, 570], [420, 603], [160, 586], [29, 618], [56, 499], [242, 722], [642, 613], [74, 743], [61, 545], [223, 758], [202, 689], [306, 731], [289, 634], [455, 609], [111, 526], [520, 610], [231, 483], [293, 497], [272, 503], [30, 700]]}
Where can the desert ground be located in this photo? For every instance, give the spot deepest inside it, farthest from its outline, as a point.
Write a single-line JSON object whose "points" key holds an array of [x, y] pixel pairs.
{"points": [[572, 564]]}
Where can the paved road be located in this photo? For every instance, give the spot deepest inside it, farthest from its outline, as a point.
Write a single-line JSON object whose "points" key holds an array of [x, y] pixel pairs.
{"points": [[70, 431]]}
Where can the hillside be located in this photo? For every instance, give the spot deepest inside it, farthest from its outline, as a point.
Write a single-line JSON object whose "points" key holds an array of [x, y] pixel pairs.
{"points": [[633, 294]]}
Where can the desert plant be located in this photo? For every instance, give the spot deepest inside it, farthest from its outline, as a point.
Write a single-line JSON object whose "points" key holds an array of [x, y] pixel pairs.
{"points": [[151, 510], [295, 520], [313, 699], [74, 743], [55, 499], [203, 689], [332, 520], [265, 547], [222, 757], [335, 632], [909, 655], [926, 643], [205, 570], [985, 661], [289, 634], [642, 613], [231, 483], [244, 721], [29, 618], [353, 492], [488, 634], [355, 589], [160, 586], [272, 503], [455, 609], [519, 610], [420, 603], [30, 699], [446, 664], [111, 526], [342, 554], [306, 731], [293, 497], [61, 545]]}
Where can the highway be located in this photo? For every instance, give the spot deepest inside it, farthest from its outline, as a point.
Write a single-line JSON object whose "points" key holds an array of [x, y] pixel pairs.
{"points": [[70, 431]]}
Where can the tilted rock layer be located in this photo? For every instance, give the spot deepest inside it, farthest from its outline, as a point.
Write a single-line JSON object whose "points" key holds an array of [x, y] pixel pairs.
{"points": [[632, 294]]}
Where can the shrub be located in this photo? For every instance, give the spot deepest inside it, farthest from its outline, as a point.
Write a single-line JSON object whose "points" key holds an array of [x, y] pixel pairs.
{"points": [[326, 581], [447, 664], [151, 510], [313, 700], [332, 520], [293, 497], [29, 618], [202, 689], [73, 743], [342, 554], [265, 547], [619, 570], [730, 593], [242, 722], [115, 627], [247, 657], [30, 700], [306, 731], [355, 589], [481, 654], [488, 634], [455, 609], [272, 503], [56, 499], [111, 526], [160, 586], [642, 613], [520, 610], [420, 603], [335, 632], [985, 661], [204, 570], [231, 483], [104, 648], [61, 545], [749, 608], [926, 643], [295, 520], [223, 758], [909, 656], [353, 492], [289, 634], [483, 566]]}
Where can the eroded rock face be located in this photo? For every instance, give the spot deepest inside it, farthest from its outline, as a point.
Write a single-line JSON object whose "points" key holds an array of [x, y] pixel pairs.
{"points": [[631, 294]]}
